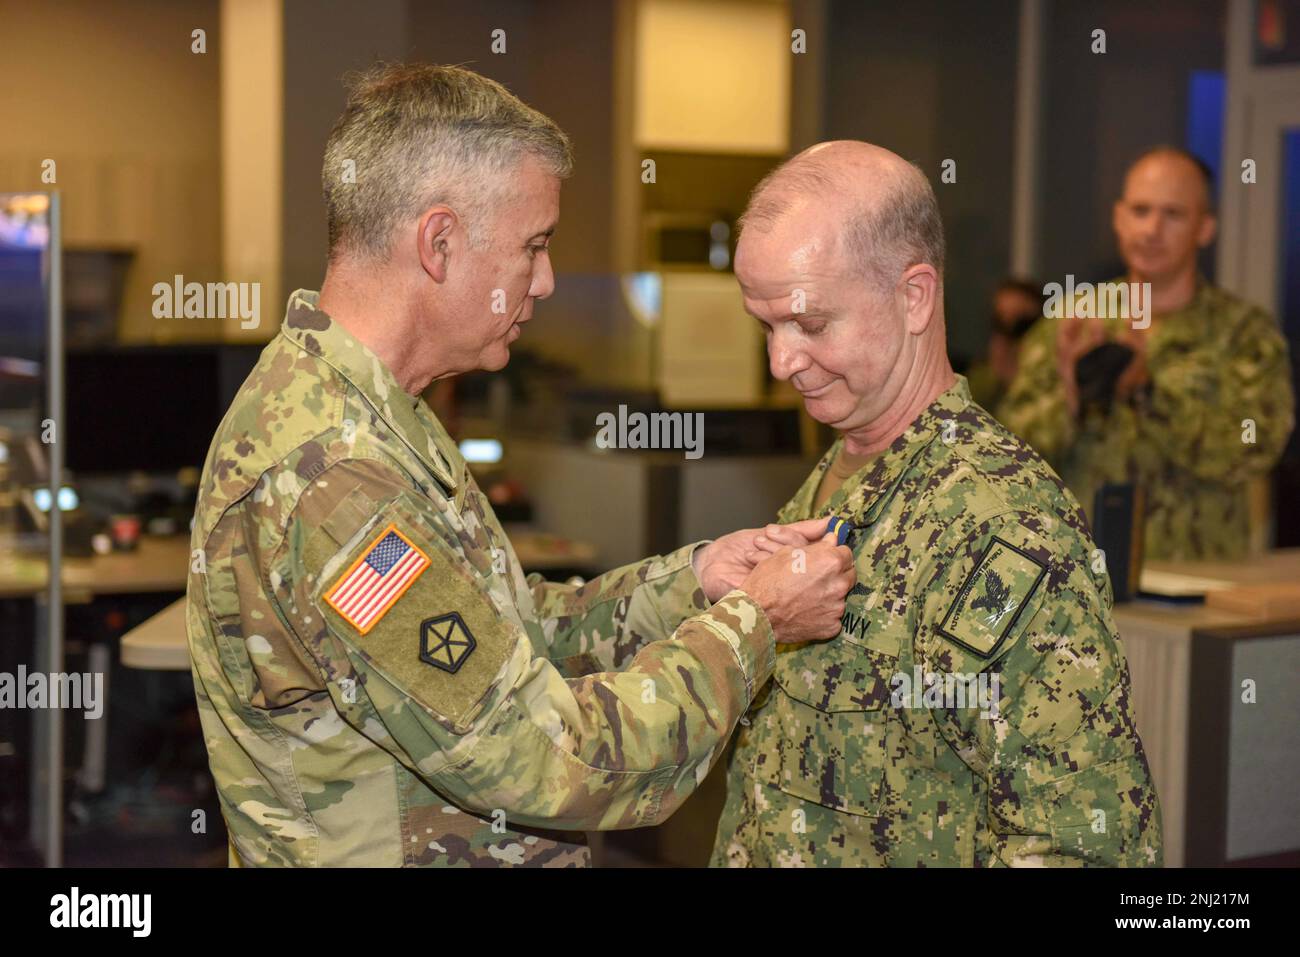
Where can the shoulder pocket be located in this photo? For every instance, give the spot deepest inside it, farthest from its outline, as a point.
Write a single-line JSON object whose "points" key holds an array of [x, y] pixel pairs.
{"points": [[413, 610]]}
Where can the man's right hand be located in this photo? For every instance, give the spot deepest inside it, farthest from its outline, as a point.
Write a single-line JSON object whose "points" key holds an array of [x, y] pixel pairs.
{"points": [[802, 589]]}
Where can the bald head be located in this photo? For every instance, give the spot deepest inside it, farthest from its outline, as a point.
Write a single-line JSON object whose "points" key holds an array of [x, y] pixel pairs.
{"points": [[871, 207], [840, 260], [1164, 216], [1185, 170]]}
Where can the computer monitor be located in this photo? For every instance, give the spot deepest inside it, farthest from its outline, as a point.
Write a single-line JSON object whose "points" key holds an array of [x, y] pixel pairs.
{"points": [[149, 408], [24, 245]]}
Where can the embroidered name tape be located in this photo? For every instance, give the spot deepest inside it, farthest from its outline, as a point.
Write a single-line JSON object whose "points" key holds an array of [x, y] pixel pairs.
{"points": [[388, 566]]}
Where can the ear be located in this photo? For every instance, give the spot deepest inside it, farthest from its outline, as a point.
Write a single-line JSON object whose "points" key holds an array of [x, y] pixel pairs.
{"points": [[1208, 229], [919, 287], [436, 237], [1116, 208]]}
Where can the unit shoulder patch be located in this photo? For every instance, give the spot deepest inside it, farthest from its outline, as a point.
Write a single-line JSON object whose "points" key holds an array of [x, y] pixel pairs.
{"points": [[992, 598], [445, 642], [430, 629]]}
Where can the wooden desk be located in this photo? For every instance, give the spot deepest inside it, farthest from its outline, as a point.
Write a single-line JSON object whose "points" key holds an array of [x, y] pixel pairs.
{"points": [[1226, 792], [162, 564], [158, 564], [159, 644], [539, 551]]}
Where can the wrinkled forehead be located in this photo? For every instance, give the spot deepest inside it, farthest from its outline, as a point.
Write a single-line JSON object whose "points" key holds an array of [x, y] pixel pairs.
{"points": [[532, 192]]}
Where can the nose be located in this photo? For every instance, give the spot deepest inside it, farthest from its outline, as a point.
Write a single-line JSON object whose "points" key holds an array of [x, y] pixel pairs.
{"points": [[783, 359], [1149, 226], [543, 277]]}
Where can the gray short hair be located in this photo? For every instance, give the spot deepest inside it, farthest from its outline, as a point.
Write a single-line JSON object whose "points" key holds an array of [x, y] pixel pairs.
{"points": [[897, 231], [418, 135]]}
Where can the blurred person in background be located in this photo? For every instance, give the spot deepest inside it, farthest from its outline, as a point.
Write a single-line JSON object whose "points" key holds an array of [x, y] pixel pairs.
{"points": [[1190, 404], [1017, 305]]}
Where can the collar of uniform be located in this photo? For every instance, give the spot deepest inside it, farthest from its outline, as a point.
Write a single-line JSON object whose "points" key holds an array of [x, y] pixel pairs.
{"points": [[873, 487], [307, 326], [1190, 324]]}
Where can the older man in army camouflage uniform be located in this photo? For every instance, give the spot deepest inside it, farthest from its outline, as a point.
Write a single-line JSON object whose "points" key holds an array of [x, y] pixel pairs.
{"points": [[975, 711], [1205, 403], [377, 681]]}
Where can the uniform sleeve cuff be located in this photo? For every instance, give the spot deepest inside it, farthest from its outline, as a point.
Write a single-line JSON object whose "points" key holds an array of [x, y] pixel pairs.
{"points": [[676, 561], [741, 622]]}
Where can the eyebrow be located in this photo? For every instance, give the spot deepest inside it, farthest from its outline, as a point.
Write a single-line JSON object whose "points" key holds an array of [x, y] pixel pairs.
{"points": [[1162, 205], [790, 316], [544, 234]]}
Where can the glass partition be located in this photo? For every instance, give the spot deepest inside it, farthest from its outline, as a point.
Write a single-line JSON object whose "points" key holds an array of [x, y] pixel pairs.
{"points": [[33, 498]]}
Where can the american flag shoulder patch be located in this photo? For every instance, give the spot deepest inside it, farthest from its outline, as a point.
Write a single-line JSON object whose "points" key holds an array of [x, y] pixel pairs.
{"points": [[388, 566]]}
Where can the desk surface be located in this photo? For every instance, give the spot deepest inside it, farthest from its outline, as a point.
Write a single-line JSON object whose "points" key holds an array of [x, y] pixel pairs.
{"points": [[160, 643], [1280, 565], [158, 564], [1162, 658], [1173, 618], [162, 564]]}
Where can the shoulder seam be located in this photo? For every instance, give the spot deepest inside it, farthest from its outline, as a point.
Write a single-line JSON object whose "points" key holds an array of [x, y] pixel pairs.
{"points": [[331, 425]]}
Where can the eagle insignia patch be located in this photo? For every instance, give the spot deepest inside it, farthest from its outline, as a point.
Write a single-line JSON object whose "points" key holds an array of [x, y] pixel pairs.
{"points": [[992, 598]]}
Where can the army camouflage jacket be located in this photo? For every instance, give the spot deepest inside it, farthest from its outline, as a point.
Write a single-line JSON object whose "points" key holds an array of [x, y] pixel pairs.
{"points": [[1218, 413], [893, 746], [377, 681]]}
